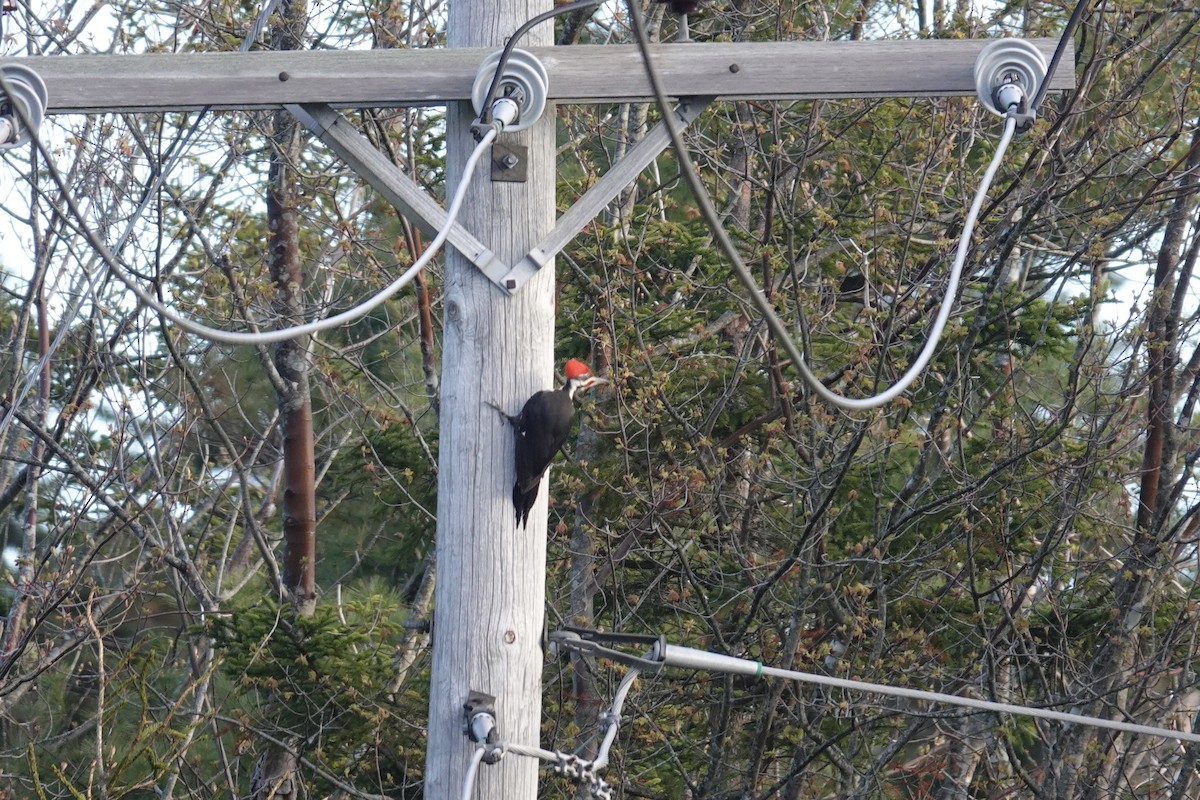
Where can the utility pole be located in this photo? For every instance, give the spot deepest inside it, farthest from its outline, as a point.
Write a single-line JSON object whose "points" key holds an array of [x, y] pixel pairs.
{"points": [[499, 284], [490, 595]]}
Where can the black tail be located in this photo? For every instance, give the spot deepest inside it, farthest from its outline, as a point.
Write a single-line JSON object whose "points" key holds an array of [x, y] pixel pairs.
{"points": [[523, 502]]}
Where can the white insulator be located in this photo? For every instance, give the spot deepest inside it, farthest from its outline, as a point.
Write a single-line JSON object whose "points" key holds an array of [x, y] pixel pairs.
{"points": [[26, 93], [1008, 62], [526, 79]]}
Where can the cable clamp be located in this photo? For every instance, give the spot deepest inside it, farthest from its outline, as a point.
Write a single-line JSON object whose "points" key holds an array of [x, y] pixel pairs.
{"points": [[581, 771], [480, 129], [597, 643], [1024, 118], [568, 765], [494, 752], [479, 724]]}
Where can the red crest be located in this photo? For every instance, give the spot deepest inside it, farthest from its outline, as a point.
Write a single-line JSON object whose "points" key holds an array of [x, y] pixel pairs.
{"points": [[575, 369]]}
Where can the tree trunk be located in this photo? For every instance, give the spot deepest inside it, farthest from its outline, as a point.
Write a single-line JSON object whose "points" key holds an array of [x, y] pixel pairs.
{"points": [[275, 775], [292, 360]]}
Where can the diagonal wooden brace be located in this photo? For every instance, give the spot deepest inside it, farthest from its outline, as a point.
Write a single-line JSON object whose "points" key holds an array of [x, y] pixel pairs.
{"points": [[390, 181], [403, 192], [602, 192]]}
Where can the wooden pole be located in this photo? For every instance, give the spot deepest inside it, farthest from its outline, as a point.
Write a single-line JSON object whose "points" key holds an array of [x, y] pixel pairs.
{"points": [[488, 606]]}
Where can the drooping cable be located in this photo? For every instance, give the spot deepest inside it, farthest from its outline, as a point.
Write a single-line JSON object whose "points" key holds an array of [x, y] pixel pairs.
{"points": [[336, 320], [260, 337], [778, 330], [282, 334], [1076, 15], [72, 311], [173, 158]]}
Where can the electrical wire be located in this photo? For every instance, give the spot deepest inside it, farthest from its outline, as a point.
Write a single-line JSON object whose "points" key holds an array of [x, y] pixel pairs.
{"points": [[499, 749], [282, 334], [776, 326], [472, 769], [702, 660], [1076, 15], [64, 324], [336, 320], [613, 718], [981, 705], [570, 765], [257, 337], [485, 116], [259, 24], [573, 766], [691, 658]]}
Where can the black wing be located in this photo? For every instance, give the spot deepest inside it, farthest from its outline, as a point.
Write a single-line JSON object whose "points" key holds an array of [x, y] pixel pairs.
{"points": [[542, 430]]}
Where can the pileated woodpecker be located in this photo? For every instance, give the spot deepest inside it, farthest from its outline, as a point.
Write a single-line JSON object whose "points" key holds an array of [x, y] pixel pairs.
{"points": [[542, 428]]}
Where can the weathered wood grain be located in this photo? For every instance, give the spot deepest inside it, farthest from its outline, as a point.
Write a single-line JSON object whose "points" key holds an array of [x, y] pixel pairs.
{"points": [[578, 74]]}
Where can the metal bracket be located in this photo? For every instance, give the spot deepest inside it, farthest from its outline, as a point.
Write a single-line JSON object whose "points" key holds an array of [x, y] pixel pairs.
{"points": [[479, 721], [602, 192], [593, 643], [510, 162]]}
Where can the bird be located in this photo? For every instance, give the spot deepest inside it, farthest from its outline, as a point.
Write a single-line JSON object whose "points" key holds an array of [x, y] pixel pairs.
{"points": [[541, 429], [682, 6]]}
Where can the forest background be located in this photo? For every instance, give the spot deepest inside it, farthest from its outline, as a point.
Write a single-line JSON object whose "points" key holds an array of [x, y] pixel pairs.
{"points": [[1022, 526]]}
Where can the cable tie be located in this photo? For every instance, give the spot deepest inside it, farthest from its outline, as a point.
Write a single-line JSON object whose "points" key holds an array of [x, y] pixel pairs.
{"points": [[600, 789], [1023, 114]]}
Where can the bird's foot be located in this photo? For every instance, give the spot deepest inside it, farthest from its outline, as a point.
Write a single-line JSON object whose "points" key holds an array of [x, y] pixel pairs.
{"points": [[511, 419]]}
